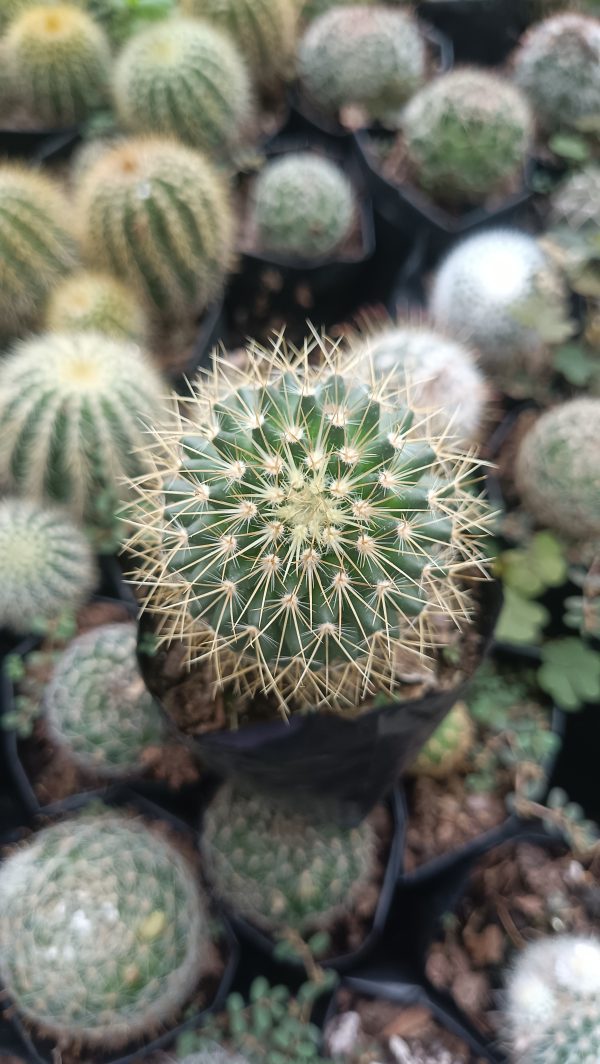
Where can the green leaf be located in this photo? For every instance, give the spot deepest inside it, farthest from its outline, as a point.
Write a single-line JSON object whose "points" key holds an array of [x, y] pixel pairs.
{"points": [[570, 146], [532, 569], [576, 364], [521, 621], [570, 672]]}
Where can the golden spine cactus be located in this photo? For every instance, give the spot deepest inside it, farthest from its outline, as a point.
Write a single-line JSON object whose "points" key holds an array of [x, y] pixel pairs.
{"points": [[264, 30], [96, 302]]}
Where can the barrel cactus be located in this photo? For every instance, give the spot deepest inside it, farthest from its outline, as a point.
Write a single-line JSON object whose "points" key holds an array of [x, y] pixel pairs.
{"points": [[309, 529], [576, 201], [467, 135], [156, 214], [557, 471], [373, 57], [447, 750], [97, 706], [557, 64], [552, 1011], [104, 931], [96, 302], [303, 206], [46, 565], [185, 78], [36, 247], [279, 869], [63, 61]]}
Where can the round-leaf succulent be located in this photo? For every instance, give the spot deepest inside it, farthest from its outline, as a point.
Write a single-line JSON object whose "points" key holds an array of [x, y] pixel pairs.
{"points": [[264, 31], [96, 302]]}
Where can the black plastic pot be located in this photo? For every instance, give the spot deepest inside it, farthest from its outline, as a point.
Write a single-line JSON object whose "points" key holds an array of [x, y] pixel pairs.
{"points": [[39, 146], [212, 331], [481, 31]]}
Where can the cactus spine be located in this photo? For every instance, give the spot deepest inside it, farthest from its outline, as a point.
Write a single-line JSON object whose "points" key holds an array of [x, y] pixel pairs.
{"points": [[264, 31], [96, 302]]}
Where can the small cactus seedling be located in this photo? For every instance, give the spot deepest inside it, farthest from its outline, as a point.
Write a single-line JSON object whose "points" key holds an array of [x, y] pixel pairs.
{"points": [[264, 31], [156, 214], [46, 565], [557, 472], [467, 135], [576, 201], [553, 1002], [303, 205], [373, 57], [96, 302], [97, 705], [63, 61], [558, 65], [312, 522], [185, 78], [280, 869], [447, 749], [104, 932]]}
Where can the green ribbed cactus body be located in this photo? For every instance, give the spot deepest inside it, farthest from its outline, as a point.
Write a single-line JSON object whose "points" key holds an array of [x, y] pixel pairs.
{"points": [[96, 302], [185, 78], [46, 565], [97, 706], [103, 930], [264, 31], [445, 752], [156, 214]]}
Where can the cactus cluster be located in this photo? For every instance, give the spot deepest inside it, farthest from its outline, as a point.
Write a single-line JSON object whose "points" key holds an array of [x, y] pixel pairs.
{"points": [[373, 57], [557, 471], [96, 302], [557, 64], [104, 932], [96, 703], [264, 31], [279, 869], [576, 201], [156, 214], [467, 136], [303, 206], [46, 565], [448, 748]]}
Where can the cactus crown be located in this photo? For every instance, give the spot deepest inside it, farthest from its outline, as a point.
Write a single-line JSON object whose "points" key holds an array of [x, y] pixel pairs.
{"points": [[576, 201], [264, 31], [96, 302], [97, 705], [46, 565], [306, 524], [103, 930]]}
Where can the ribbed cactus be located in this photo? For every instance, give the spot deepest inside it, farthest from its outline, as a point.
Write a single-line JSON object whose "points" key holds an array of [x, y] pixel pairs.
{"points": [[576, 201], [36, 247], [558, 473], [279, 869], [74, 411], [264, 31], [96, 703], [96, 302], [557, 64], [303, 206], [155, 213], [103, 930], [185, 78], [467, 135], [447, 749], [46, 565], [63, 62], [553, 1002], [312, 521], [371, 56]]}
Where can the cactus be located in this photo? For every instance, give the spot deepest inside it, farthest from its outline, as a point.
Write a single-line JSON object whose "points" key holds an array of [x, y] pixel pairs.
{"points": [[264, 31], [557, 64], [557, 471], [96, 302], [73, 414], [46, 565], [103, 930], [279, 869], [63, 62], [447, 749], [576, 201], [36, 247], [303, 205], [482, 291], [369, 56], [467, 135], [156, 214], [184, 78], [96, 703], [553, 1002], [309, 529], [213, 1054]]}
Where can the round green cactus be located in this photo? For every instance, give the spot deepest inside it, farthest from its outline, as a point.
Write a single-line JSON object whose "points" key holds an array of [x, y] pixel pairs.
{"points": [[103, 930], [557, 471], [36, 246], [96, 703], [445, 752], [74, 410], [373, 57], [279, 869], [46, 565], [63, 62], [156, 214], [184, 77], [467, 135], [303, 205], [264, 31], [557, 64], [96, 302], [576, 201], [309, 528]]}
